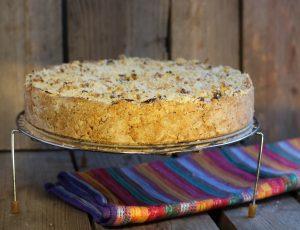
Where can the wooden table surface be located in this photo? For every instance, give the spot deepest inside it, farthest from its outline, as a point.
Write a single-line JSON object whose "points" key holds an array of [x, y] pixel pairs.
{"points": [[40, 210]]}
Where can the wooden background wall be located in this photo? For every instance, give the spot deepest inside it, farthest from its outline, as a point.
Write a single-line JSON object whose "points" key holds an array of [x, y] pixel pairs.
{"points": [[261, 37]]}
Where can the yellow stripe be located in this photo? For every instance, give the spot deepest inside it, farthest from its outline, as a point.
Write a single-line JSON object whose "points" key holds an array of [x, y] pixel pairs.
{"points": [[264, 190], [208, 164], [109, 196], [204, 205], [296, 143], [138, 214], [266, 160], [163, 183]]}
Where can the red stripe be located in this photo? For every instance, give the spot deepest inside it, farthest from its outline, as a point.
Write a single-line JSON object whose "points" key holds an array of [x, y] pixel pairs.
{"points": [[104, 178], [179, 182]]}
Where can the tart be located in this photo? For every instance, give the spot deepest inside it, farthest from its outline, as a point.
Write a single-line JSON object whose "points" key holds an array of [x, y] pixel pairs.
{"points": [[138, 101]]}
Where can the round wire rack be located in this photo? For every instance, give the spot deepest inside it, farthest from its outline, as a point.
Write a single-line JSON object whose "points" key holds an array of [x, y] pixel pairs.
{"points": [[24, 127], [166, 149]]}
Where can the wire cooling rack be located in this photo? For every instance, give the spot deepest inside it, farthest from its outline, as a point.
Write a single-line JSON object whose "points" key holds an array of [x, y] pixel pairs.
{"points": [[166, 149], [24, 127]]}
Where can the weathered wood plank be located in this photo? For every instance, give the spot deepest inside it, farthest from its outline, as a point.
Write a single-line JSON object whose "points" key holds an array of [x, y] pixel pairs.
{"points": [[278, 213], [199, 222], [108, 28], [97, 160], [206, 29], [271, 56], [39, 210], [30, 38]]}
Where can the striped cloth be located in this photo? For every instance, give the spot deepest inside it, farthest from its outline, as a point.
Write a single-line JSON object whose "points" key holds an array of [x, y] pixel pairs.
{"points": [[176, 187]]}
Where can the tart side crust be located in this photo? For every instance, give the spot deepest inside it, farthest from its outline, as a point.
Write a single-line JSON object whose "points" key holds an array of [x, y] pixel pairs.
{"points": [[158, 122]]}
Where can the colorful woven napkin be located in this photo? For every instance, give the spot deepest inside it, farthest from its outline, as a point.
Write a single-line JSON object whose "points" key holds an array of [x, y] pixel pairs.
{"points": [[176, 187]]}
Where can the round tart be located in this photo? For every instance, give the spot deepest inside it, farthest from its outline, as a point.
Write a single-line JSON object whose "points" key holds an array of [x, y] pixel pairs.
{"points": [[136, 101]]}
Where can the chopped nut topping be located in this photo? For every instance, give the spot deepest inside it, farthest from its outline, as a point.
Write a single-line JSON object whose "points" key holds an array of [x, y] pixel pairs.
{"points": [[139, 79], [159, 75], [217, 95], [85, 84], [129, 100], [184, 91], [38, 79], [151, 100], [134, 76], [248, 83], [178, 78], [95, 94]]}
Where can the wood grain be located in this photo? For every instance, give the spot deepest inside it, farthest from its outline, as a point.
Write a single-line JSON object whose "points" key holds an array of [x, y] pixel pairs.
{"points": [[30, 38], [107, 28], [206, 29], [277, 213], [199, 222], [39, 210], [100, 160], [271, 57]]}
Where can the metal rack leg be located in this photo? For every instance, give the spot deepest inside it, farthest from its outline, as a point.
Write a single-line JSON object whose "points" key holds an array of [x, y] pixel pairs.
{"points": [[14, 209], [252, 206]]}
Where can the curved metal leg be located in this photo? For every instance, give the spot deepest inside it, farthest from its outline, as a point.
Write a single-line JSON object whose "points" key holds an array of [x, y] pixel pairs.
{"points": [[252, 206], [14, 209]]}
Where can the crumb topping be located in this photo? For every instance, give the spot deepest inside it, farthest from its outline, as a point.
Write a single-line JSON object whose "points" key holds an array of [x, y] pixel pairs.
{"points": [[140, 80]]}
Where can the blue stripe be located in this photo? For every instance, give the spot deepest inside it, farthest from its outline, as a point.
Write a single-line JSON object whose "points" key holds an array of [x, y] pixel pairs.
{"points": [[196, 183], [199, 173], [282, 153], [81, 188], [288, 149], [244, 162], [131, 189], [75, 200], [146, 186]]}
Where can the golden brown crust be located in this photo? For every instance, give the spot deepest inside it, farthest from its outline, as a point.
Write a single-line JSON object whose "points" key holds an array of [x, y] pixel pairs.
{"points": [[140, 80], [157, 122]]}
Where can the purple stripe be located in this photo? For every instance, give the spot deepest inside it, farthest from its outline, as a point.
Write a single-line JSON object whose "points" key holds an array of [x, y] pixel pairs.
{"points": [[221, 162], [155, 186], [136, 188], [180, 183], [289, 148], [227, 187], [81, 188], [114, 187], [278, 158], [75, 200]]}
